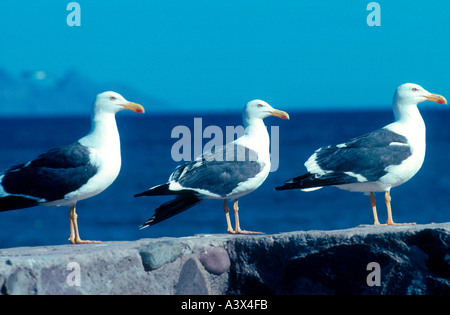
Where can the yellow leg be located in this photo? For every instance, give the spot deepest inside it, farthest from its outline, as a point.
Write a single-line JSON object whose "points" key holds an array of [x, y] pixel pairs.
{"points": [[373, 202], [390, 221], [74, 235], [387, 198], [73, 227], [238, 230], [227, 216]]}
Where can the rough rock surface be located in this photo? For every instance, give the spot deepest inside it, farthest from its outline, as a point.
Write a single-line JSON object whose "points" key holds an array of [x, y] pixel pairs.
{"points": [[361, 260]]}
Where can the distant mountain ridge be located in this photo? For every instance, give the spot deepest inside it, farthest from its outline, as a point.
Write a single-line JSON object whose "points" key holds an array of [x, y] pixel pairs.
{"points": [[38, 93]]}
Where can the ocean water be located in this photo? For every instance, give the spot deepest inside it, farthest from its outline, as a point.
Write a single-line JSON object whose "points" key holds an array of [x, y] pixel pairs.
{"points": [[146, 161]]}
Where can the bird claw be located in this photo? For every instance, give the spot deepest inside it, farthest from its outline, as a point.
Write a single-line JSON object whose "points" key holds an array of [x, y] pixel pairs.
{"points": [[393, 223], [239, 231], [80, 241]]}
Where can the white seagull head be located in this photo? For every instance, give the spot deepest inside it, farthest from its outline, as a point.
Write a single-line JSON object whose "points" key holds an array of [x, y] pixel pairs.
{"points": [[112, 102], [412, 94], [258, 109]]}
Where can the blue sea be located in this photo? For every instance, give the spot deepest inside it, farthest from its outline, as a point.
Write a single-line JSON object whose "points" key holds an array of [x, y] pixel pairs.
{"points": [[146, 161]]}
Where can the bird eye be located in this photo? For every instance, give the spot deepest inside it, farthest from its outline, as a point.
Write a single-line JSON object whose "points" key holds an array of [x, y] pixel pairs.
{"points": [[112, 98], [414, 89], [260, 105]]}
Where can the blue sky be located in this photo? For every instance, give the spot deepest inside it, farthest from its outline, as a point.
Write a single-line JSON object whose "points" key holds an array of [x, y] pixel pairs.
{"points": [[203, 54]]}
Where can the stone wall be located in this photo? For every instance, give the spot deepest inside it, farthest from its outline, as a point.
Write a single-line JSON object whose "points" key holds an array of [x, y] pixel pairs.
{"points": [[361, 260]]}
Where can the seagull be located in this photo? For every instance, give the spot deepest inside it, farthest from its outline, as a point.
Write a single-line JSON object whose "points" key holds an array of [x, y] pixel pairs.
{"points": [[377, 161], [66, 175], [227, 172]]}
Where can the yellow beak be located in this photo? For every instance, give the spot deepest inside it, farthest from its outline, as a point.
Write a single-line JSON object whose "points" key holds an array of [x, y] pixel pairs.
{"points": [[134, 107], [279, 113], [436, 98]]}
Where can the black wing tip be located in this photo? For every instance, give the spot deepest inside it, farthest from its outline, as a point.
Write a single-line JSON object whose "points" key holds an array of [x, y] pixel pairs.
{"points": [[280, 187], [141, 194], [16, 202], [146, 224], [303, 181], [160, 190], [287, 187], [171, 208], [152, 221]]}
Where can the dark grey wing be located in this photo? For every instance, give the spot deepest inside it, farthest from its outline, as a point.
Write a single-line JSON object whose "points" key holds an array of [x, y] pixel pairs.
{"points": [[49, 177], [368, 155], [362, 159], [219, 171]]}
